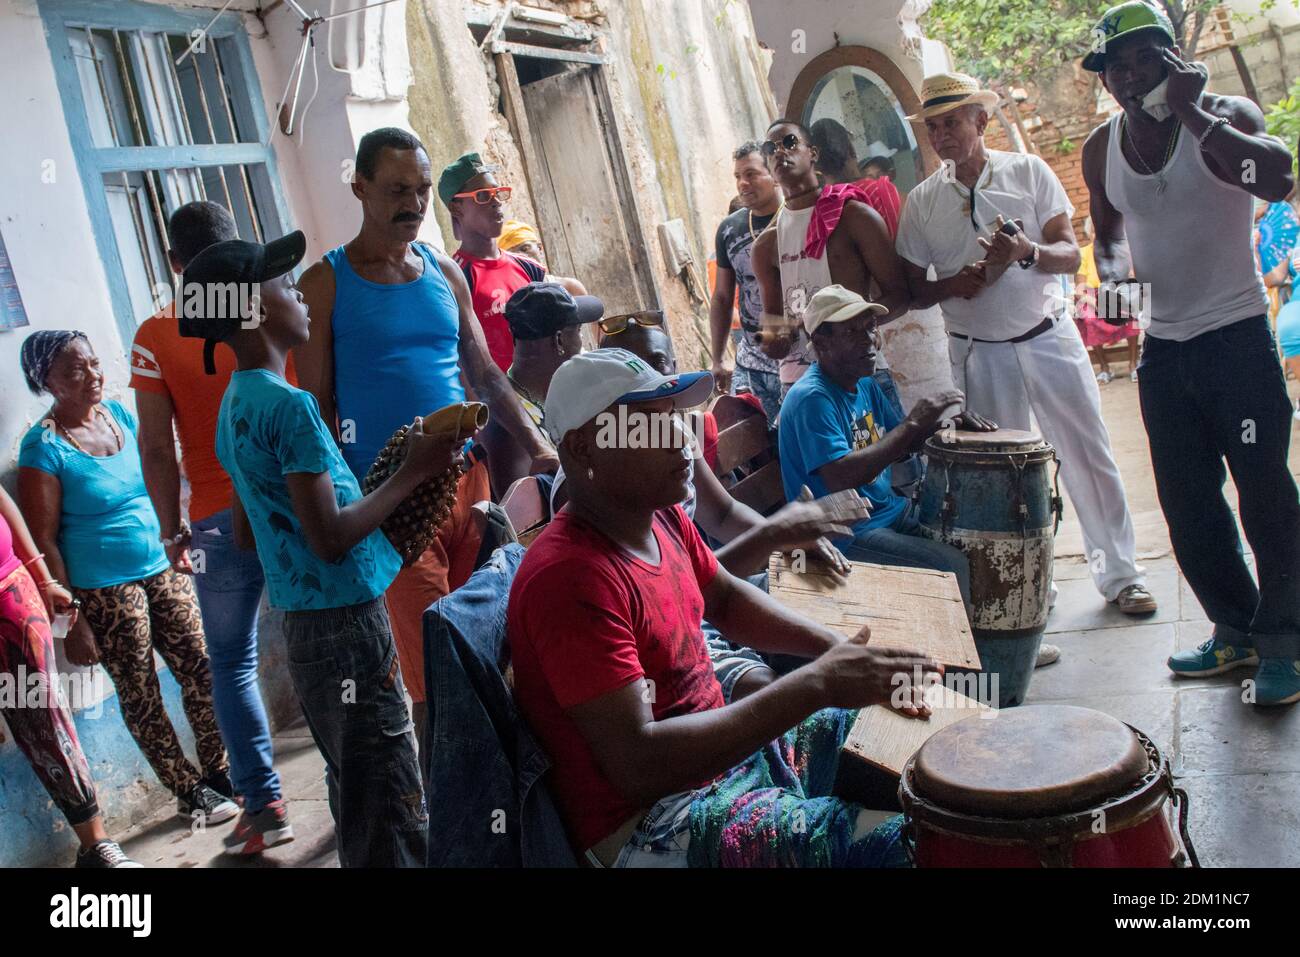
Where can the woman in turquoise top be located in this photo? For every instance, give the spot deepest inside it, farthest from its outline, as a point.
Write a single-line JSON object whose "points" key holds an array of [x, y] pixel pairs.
{"points": [[1286, 275], [81, 488]]}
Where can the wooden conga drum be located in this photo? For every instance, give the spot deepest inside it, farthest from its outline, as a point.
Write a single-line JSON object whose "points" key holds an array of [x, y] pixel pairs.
{"points": [[1043, 786], [990, 495]]}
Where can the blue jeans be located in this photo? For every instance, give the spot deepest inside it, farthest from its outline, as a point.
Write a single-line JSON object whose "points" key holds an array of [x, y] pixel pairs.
{"points": [[343, 663], [229, 584], [903, 545], [1221, 396], [765, 385]]}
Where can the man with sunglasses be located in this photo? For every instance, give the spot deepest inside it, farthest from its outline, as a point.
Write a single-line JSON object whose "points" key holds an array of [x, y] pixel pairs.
{"points": [[477, 203], [814, 244], [394, 335], [996, 228]]}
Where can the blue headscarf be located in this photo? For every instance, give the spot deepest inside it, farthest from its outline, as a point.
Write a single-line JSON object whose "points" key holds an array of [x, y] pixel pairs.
{"points": [[39, 351]]}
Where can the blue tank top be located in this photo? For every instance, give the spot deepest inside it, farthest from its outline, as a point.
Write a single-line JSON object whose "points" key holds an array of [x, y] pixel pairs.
{"points": [[396, 354]]}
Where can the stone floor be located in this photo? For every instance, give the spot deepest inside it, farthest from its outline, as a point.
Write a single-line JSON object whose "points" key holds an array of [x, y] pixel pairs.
{"points": [[1240, 764]]}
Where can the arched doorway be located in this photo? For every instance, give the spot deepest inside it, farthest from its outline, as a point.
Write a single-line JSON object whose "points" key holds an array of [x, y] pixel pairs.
{"points": [[868, 94]]}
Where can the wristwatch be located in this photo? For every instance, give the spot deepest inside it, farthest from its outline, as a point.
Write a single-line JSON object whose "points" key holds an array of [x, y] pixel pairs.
{"points": [[1030, 261]]}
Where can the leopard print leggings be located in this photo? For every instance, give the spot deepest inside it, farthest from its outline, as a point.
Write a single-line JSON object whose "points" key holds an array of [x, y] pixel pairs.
{"points": [[129, 621]]}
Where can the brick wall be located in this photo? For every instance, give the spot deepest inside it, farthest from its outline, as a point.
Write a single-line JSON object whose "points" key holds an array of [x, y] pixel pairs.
{"points": [[1059, 141]]}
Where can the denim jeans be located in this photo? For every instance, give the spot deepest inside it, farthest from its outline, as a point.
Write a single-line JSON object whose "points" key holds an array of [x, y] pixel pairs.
{"points": [[343, 664], [903, 545], [229, 584], [1221, 395], [765, 385]]}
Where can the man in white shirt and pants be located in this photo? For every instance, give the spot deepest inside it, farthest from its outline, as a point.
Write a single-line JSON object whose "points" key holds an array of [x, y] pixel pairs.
{"points": [[1014, 349]]}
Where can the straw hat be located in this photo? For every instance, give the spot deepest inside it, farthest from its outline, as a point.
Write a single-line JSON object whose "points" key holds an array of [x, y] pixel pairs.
{"points": [[947, 91]]}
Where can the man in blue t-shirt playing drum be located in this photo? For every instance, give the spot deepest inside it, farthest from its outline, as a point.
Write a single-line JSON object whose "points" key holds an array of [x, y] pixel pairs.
{"points": [[838, 432]]}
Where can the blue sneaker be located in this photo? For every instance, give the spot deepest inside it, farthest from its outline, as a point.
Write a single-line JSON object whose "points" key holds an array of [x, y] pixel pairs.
{"points": [[1277, 681], [1211, 657]]}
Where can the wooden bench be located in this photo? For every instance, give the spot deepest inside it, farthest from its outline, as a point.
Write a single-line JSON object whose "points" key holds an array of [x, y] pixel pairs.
{"points": [[748, 465]]}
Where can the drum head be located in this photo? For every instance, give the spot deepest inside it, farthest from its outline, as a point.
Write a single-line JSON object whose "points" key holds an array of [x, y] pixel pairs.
{"points": [[1000, 440], [1032, 761]]}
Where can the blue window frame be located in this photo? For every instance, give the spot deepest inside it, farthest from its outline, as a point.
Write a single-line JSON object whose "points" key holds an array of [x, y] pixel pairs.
{"points": [[151, 133]]}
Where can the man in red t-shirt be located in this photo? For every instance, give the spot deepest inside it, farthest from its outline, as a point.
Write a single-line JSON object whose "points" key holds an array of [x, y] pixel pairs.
{"points": [[650, 767], [477, 204]]}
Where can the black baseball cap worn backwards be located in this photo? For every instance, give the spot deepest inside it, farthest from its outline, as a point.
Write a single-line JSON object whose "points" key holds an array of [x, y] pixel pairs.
{"points": [[541, 309], [218, 287]]}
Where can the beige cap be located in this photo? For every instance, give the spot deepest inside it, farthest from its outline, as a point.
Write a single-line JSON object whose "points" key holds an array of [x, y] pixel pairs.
{"points": [[836, 304]]}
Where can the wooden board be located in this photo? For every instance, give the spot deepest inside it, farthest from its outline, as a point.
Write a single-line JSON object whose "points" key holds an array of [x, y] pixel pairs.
{"points": [[905, 607], [882, 741]]}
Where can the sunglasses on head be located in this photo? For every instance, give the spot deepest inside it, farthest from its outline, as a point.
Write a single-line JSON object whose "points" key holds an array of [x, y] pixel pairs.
{"points": [[787, 143], [613, 325], [486, 194]]}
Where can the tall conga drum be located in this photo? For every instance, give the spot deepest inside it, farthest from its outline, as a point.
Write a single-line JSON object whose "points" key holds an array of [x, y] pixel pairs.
{"points": [[1043, 786], [993, 496]]}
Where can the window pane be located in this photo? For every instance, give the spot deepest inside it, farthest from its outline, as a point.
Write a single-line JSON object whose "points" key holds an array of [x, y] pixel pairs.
{"points": [[102, 91], [141, 230], [139, 245]]}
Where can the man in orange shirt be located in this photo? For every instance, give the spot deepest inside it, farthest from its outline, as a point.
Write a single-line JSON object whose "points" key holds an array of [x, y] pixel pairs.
{"points": [[168, 377]]}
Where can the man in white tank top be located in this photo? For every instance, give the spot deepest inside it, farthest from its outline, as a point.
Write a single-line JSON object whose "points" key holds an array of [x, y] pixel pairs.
{"points": [[857, 252], [1171, 180], [1013, 348]]}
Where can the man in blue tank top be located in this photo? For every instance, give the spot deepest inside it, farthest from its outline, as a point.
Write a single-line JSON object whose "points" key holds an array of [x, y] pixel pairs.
{"points": [[394, 336], [1170, 181]]}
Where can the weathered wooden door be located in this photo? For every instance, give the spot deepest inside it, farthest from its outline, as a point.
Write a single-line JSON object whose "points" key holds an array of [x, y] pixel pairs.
{"points": [[581, 190]]}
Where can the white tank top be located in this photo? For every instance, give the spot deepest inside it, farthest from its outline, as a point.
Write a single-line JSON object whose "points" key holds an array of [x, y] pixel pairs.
{"points": [[1191, 243], [801, 276]]}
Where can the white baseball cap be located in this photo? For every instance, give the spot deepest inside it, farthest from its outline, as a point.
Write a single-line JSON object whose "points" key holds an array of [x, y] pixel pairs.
{"points": [[836, 304], [591, 382]]}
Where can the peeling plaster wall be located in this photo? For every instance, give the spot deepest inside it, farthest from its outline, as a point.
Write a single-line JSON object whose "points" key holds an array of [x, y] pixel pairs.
{"points": [[679, 125]]}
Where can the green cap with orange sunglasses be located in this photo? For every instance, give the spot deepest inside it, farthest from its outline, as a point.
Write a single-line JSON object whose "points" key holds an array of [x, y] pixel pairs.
{"points": [[455, 176]]}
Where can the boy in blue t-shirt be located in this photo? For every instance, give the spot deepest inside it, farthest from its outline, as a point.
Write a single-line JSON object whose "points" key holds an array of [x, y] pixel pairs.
{"points": [[327, 564], [837, 431]]}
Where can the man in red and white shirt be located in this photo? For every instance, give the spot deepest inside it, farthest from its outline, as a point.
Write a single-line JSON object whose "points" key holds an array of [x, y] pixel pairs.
{"points": [[477, 204]]}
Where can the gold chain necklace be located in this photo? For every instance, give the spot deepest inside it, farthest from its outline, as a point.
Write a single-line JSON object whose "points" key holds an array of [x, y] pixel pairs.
{"points": [[752, 237], [1161, 183], [77, 445]]}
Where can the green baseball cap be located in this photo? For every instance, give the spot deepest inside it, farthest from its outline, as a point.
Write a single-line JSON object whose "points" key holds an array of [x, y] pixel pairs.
{"points": [[1119, 22], [455, 176]]}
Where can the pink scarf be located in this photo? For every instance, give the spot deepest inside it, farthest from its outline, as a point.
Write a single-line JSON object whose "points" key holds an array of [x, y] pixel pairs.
{"points": [[880, 194]]}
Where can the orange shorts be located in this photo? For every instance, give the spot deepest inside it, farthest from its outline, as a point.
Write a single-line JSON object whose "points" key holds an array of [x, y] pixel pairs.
{"points": [[446, 565]]}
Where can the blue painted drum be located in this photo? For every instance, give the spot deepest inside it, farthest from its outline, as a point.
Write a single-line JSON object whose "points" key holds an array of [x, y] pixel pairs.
{"points": [[990, 494]]}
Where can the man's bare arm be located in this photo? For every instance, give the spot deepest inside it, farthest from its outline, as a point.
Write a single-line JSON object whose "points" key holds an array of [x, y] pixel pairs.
{"points": [[487, 380], [314, 359], [871, 239], [767, 271], [1242, 150], [162, 476], [1109, 248], [721, 304]]}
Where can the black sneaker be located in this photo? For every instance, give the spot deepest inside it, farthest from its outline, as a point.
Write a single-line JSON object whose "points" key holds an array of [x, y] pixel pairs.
{"points": [[206, 805], [104, 854], [220, 782]]}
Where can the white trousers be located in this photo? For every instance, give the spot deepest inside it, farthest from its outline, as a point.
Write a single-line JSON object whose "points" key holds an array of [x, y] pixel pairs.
{"points": [[1049, 380]]}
